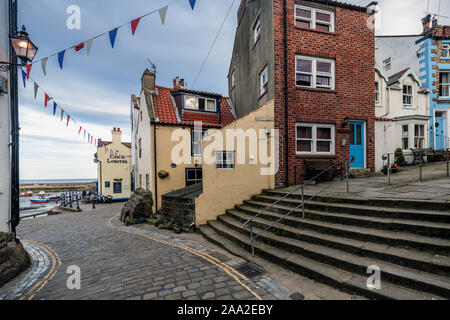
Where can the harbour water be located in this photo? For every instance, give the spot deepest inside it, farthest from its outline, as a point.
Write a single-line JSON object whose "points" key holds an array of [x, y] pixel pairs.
{"points": [[27, 208]]}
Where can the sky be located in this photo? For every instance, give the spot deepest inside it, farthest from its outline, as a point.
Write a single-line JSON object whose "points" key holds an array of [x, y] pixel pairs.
{"points": [[96, 89]]}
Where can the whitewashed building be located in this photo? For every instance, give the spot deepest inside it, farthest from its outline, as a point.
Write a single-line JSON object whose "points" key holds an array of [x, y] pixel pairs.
{"points": [[402, 109]]}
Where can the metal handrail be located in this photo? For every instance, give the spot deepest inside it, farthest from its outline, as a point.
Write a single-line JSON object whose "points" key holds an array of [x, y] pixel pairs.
{"points": [[303, 202]]}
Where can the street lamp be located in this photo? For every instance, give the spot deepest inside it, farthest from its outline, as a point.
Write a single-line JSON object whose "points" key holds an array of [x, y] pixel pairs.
{"points": [[24, 49]]}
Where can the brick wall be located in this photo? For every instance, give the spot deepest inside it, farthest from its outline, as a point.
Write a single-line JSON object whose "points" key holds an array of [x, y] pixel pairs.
{"points": [[352, 46]]}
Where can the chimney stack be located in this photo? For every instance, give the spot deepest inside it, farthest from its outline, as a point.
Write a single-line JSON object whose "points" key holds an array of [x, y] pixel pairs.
{"points": [[148, 80], [116, 135], [182, 84], [426, 23], [176, 83]]}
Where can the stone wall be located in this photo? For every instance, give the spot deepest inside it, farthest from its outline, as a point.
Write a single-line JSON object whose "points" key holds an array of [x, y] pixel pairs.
{"points": [[179, 206], [13, 258]]}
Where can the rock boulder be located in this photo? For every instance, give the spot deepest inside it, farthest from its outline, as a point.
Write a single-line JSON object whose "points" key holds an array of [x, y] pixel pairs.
{"points": [[139, 207], [14, 259]]}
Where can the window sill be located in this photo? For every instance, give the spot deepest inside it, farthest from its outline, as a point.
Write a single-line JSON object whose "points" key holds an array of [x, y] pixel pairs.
{"points": [[263, 94], [315, 30], [316, 89], [256, 42], [409, 107], [443, 98], [379, 105]]}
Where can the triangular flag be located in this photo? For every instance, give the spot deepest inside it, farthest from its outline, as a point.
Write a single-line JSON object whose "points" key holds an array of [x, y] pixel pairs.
{"points": [[92, 139], [134, 25], [78, 47], [192, 2], [24, 76], [62, 114], [89, 45], [54, 107], [84, 134], [46, 100], [61, 58], [89, 137], [29, 70], [112, 36], [79, 131], [163, 13], [68, 119], [44, 65], [36, 87]]}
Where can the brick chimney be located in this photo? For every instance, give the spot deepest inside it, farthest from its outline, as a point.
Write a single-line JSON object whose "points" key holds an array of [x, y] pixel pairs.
{"points": [[426, 23], [178, 84], [148, 80]]}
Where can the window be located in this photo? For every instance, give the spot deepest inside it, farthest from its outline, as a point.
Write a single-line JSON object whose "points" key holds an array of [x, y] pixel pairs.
{"points": [[107, 184], [314, 72], [407, 95], [419, 136], [117, 187], [196, 142], [264, 80], [444, 84], [233, 80], [387, 64], [225, 159], [446, 50], [193, 176], [256, 30], [405, 137], [201, 104], [313, 18], [147, 182], [140, 148], [377, 92], [140, 181], [315, 138]]}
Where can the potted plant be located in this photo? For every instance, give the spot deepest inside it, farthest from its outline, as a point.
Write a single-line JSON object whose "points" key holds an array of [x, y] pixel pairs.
{"points": [[400, 157], [394, 168]]}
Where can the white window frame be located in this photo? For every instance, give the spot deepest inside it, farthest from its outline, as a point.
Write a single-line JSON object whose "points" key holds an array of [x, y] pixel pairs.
{"points": [[228, 163], [407, 95], [446, 50], [314, 73], [313, 20], [377, 92], [264, 85], [197, 104], [441, 84], [405, 135], [314, 139], [256, 30], [420, 136], [233, 80], [197, 143]]}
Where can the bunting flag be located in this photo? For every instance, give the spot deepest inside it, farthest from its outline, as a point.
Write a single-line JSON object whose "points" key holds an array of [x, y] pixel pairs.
{"points": [[92, 139], [134, 25], [46, 99], [44, 65], [163, 13], [84, 137], [89, 137], [24, 76], [54, 107], [29, 70], [68, 119], [79, 131], [36, 87], [79, 47], [89, 45], [62, 114], [192, 2], [112, 36], [61, 58]]}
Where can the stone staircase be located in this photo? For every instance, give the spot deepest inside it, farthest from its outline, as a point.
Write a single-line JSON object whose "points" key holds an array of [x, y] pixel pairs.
{"points": [[340, 238]]}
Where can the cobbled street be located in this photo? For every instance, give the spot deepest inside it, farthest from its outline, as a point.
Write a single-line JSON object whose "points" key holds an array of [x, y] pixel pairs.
{"points": [[118, 263]]}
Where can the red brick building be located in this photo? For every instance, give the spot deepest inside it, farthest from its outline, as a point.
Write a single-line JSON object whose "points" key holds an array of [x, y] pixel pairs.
{"points": [[315, 58]]}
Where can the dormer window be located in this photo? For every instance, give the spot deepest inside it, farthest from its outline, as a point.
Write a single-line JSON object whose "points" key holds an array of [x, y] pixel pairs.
{"points": [[407, 95], [313, 18], [200, 104]]}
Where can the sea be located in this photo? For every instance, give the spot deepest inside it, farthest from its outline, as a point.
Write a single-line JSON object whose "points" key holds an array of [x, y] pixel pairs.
{"points": [[57, 181]]}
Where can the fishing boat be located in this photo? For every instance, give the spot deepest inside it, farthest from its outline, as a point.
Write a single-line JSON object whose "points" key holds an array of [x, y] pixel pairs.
{"points": [[26, 194], [39, 201], [54, 198]]}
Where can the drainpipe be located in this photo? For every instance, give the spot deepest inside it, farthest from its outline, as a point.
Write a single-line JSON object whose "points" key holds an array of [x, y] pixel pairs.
{"points": [[156, 165], [286, 122]]}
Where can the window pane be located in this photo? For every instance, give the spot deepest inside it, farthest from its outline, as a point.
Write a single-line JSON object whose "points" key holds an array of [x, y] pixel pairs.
{"points": [[324, 133], [323, 16], [303, 24], [191, 174], [201, 104], [211, 105], [303, 80], [323, 67], [322, 27], [352, 134], [359, 135], [323, 146], [304, 145], [323, 81], [191, 103], [304, 65], [304, 132], [303, 13]]}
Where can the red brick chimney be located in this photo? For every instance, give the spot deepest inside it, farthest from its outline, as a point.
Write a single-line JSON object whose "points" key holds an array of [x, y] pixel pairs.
{"points": [[178, 84], [426, 23]]}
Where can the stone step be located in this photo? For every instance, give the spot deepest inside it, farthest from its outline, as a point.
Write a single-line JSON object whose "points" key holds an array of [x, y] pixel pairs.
{"points": [[427, 205], [421, 261], [330, 275], [386, 237], [362, 210], [424, 228]]}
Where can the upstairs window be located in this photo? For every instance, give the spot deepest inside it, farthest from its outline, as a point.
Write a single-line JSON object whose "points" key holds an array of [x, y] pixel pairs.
{"points": [[407, 95], [264, 80], [313, 18], [256, 30], [446, 50], [225, 160], [233, 80], [196, 142], [444, 84], [377, 92], [387, 64], [201, 104], [140, 148], [314, 72]]}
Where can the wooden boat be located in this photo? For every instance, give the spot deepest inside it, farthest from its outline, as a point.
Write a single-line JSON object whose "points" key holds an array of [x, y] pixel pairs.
{"points": [[27, 194], [39, 201], [54, 198]]}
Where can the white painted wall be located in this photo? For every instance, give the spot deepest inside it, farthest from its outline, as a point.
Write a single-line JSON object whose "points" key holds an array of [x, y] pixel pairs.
{"points": [[5, 169]]}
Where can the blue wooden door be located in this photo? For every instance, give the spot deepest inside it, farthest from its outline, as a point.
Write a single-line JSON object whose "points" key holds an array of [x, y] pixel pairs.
{"points": [[357, 144], [439, 129]]}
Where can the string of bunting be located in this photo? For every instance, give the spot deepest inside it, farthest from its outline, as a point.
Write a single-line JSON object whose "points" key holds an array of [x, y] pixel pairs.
{"points": [[112, 38], [63, 113]]}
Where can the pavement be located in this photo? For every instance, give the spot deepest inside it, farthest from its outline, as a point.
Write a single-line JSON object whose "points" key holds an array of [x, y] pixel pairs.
{"points": [[405, 184]]}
